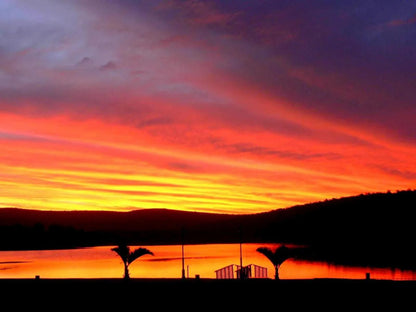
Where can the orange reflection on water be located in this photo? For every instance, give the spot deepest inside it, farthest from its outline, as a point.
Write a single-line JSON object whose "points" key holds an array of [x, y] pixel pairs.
{"points": [[67, 263], [202, 260], [295, 269]]}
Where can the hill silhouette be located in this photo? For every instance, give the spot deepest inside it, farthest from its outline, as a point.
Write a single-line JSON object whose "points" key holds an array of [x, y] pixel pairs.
{"points": [[35, 229], [368, 229], [372, 229]]}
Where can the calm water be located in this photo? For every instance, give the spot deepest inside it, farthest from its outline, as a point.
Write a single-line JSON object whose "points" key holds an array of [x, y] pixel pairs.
{"points": [[101, 262]]}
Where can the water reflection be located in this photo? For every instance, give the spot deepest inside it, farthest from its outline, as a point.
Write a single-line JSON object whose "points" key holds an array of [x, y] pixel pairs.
{"points": [[202, 260]]}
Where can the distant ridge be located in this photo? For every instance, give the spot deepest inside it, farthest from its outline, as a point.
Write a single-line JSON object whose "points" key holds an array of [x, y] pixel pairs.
{"points": [[145, 226], [142, 219], [368, 228], [384, 210]]}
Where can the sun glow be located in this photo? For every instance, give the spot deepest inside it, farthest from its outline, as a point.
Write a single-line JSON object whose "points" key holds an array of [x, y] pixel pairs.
{"points": [[46, 166], [202, 107]]}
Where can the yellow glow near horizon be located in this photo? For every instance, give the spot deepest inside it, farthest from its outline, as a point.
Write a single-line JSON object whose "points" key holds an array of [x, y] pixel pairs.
{"points": [[96, 172]]}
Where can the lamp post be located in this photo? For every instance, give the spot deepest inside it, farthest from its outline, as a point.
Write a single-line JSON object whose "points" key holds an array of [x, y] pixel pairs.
{"points": [[241, 261], [183, 254], [242, 275], [183, 262]]}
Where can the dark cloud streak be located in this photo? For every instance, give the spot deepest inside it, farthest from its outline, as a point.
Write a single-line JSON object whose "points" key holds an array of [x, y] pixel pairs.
{"points": [[333, 58]]}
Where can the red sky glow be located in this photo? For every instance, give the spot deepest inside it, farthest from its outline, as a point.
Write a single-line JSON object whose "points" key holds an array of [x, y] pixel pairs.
{"points": [[214, 106]]}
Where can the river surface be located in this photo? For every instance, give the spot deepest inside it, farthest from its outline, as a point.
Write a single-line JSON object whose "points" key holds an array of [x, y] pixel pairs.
{"points": [[202, 260]]}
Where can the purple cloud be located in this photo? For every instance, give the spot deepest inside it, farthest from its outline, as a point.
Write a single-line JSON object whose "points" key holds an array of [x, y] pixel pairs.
{"points": [[335, 59]]}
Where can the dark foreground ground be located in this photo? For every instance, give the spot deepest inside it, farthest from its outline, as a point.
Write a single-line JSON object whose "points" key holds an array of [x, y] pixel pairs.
{"points": [[206, 294]]}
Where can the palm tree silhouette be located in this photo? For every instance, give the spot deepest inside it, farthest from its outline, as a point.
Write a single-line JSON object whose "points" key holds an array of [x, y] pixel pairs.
{"points": [[129, 256], [277, 257]]}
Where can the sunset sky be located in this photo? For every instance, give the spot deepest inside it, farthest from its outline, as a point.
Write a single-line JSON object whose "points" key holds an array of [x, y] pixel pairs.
{"points": [[215, 106]]}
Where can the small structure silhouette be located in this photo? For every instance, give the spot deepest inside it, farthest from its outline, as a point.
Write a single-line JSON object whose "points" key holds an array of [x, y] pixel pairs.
{"points": [[233, 271]]}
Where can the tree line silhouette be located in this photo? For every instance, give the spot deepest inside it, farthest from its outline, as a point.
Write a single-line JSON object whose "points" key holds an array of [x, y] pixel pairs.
{"points": [[54, 236], [369, 229]]}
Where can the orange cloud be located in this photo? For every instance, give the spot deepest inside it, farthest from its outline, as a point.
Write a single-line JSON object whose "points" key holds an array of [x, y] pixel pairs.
{"points": [[67, 164], [132, 108]]}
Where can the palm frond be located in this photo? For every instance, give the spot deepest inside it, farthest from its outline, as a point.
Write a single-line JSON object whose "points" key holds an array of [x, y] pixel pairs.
{"points": [[123, 251], [267, 252], [278, 256], [137, 253], [281, 254]]}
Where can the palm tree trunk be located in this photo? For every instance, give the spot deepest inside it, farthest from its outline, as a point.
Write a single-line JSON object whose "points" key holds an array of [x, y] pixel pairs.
{"points": [[276, 272], [126, 271]]}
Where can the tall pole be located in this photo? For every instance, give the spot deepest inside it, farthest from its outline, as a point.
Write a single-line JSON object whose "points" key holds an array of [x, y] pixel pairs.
{"points": [[241, 256], [183, 262], [183, 254], [241, 260]]}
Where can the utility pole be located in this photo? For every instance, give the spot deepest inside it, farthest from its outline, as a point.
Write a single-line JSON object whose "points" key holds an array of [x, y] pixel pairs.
{"points": [[183, 254], [241, 261], [241, 255]]}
